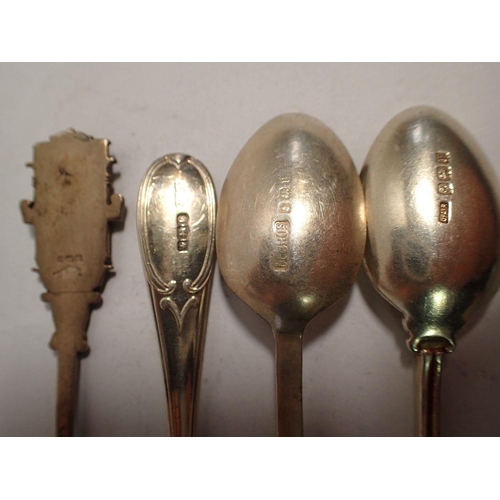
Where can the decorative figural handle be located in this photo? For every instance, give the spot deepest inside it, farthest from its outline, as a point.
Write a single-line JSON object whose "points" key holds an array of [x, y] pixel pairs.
{"points": [[70, 213]]}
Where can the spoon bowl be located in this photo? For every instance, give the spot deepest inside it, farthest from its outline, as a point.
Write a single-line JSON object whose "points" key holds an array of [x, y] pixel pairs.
{"points": [[291, 226], [291, 235], [433, 243]]}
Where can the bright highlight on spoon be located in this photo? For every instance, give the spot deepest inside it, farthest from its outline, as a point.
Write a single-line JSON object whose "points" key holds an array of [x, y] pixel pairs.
{"points": [[176, 212], [432, 208], [290, 237]]}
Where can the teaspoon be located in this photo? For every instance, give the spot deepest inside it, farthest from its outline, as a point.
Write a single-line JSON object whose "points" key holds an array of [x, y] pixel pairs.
{"points": [[433, 241], [71, 213], [176, 225], [290, 237]]}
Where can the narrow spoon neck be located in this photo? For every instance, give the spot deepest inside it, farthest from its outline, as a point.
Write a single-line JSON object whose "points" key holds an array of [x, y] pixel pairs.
{"points": [[429, 368], [289, 383], [425, 336]]}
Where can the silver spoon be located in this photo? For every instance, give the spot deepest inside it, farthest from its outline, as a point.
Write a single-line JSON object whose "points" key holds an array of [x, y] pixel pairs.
{"points": [[433, 243], [176, 225], [290, 237]]}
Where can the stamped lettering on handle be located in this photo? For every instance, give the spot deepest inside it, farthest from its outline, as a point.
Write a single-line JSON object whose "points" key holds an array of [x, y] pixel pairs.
{"points": [[182, 232]]}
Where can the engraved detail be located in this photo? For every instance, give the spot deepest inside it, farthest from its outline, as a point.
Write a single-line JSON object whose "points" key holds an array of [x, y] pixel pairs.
{"points": [[445, 188], [281, 228], [179, 315], [444, 172], [70, 258], [284, 207], [284, 193], [199, 282], [444, 211], [172, 296], [170, 288], [443, 157], [280, 258], [182, 232], [208, 263]]}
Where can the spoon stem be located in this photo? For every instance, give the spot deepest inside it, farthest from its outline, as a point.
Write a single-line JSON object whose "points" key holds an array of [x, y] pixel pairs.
{"points": [[181, 338], [429, 369], [67, 387], [289, 383], [71, 314]]}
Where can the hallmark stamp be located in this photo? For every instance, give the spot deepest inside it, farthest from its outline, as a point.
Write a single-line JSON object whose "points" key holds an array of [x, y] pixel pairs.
{"points": [[443, 157], [280, 259], [284, 194], [284, 207], [70, 258], [444, 212], [444, 173], [445, 187], [182, 232]]}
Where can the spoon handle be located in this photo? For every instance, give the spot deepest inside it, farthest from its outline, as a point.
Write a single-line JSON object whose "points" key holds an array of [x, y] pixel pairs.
{"points": [[71, 313], [71, 212], [429, 369], [182, 337], [176, 223], [289, 383]]}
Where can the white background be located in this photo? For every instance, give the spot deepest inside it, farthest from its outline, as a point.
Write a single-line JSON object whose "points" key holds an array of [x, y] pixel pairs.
{"points": [[358, 374]]}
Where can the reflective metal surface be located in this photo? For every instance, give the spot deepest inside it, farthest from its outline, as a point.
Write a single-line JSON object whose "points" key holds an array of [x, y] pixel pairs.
{"points": [[433, 238], [290, 237], [176, 227], [428, 391]]}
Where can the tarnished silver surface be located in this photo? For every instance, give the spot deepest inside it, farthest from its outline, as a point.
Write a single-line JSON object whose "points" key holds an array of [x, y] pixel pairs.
{"points": [[71, 212], [290, 237], [433, 238], [176, 227]]}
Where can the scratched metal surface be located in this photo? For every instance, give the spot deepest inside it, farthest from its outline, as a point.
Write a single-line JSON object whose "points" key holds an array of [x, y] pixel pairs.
{"points": [[295, 190], [434, 244], [358, 372]]}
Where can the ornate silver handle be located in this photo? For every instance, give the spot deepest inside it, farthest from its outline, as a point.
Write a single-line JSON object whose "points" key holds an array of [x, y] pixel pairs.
{"points": [[176, 228]]}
